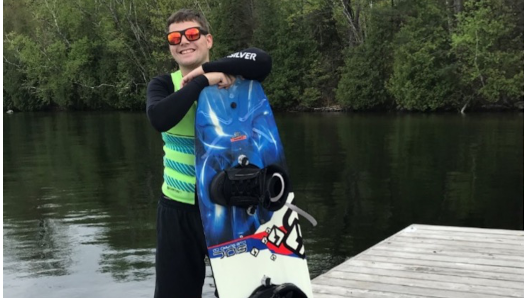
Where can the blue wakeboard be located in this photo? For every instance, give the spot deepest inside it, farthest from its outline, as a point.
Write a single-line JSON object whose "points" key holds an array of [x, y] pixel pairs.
{"points": [[253, 237]]}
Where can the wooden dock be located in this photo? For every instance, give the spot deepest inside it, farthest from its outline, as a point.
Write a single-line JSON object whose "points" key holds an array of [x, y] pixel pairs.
{"points": [[432, 261]]}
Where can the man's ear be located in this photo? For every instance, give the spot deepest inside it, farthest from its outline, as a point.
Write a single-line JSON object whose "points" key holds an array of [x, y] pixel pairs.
{"points": [[209, 40]]}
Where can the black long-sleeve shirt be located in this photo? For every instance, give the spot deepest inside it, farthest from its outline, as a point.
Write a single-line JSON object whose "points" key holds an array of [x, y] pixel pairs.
{"points": [[165, 107]]}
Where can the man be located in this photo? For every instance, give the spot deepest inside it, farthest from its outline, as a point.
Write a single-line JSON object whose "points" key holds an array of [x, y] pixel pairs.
{"points": [[171, 108]]}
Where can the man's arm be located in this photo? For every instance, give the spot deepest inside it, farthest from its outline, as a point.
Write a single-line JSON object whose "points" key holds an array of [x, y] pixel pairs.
{"points": [[252, 64], [165, 108]]}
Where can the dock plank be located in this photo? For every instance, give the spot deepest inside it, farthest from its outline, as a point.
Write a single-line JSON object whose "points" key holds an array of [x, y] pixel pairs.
{"points": [[467, 230], [510, 249], [501, 271], [496, 253], [322, 291], [395, 278], [517, 267], [470, 238], [398, 288], [498, 238], [475, 277]]}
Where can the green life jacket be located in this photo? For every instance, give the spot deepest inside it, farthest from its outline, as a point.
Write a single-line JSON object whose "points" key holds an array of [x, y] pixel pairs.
{"points": [[179, 157]]}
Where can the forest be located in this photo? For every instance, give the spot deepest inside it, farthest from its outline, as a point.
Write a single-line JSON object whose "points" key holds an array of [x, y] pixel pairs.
{"points": [[356, 55]]}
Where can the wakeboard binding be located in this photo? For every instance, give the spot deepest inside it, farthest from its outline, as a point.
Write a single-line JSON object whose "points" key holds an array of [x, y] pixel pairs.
{"points": [[248, 186], [270, 290]]}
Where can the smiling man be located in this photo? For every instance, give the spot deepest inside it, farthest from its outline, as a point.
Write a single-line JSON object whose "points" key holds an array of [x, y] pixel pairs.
{"points": [[171, 108]]}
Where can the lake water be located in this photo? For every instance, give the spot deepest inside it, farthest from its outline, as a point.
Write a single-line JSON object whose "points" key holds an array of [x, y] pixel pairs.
{"points": [[80, 190]]}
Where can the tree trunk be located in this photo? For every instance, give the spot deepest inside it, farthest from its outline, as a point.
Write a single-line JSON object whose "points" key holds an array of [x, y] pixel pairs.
{"points": [[463, 110], [353, 21], [458, 5]]}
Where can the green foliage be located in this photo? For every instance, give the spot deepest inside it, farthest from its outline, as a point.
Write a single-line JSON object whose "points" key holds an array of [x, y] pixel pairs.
{"points": [[286, 85], [232, 26], [83, 55], [366, 54], [423, 71], [490, 52], [368, 66], [16, 94], [298, 71], [361, 85]]}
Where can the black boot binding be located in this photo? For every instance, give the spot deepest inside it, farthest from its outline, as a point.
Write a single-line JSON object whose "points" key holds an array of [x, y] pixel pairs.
{"points": [[249, 186], [286, 290]]}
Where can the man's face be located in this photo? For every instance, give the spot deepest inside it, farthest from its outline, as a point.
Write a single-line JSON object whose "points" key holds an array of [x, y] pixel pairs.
{"points": [[190, 54]]}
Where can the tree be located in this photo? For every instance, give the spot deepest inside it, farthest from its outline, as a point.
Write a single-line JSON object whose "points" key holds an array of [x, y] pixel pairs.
{"points": [[284, 32], [367, 54], [423, 71], [490, 53], [368, 66]]}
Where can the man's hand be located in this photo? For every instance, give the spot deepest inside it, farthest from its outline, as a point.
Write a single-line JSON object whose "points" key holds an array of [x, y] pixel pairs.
{"points": [[191, 75], [214, 78], [221, 79]]}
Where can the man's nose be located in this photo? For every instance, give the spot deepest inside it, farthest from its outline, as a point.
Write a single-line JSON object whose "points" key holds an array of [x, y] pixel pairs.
{"points": [[183, 39]]}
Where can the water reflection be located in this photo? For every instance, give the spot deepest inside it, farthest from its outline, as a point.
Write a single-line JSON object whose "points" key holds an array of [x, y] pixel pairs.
{"points": [[367, 176], [80, 190]]}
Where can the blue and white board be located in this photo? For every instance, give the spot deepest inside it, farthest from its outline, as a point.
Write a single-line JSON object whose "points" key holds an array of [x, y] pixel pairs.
{"points": [[245, 249]]}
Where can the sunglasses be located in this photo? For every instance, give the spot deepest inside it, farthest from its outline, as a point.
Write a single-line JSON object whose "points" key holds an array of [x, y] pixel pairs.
{"points": [[191, 34]]}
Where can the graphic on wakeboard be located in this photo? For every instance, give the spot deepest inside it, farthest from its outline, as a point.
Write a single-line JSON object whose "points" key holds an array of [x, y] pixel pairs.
{"points": [[245, 199]]}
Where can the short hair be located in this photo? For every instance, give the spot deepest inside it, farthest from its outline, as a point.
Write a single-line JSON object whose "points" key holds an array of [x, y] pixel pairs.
{"points": [[187, 15]]}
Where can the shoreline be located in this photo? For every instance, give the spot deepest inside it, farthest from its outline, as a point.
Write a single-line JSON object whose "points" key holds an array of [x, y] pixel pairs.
{"points": [[517, 107]]}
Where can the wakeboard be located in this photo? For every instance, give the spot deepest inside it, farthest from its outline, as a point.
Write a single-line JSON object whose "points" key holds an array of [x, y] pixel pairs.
{"points": [[252, 231]]}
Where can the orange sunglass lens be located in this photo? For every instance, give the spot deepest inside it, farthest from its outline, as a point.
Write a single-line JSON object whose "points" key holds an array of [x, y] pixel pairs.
{"points": [[192, 34], [174, 38]]}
